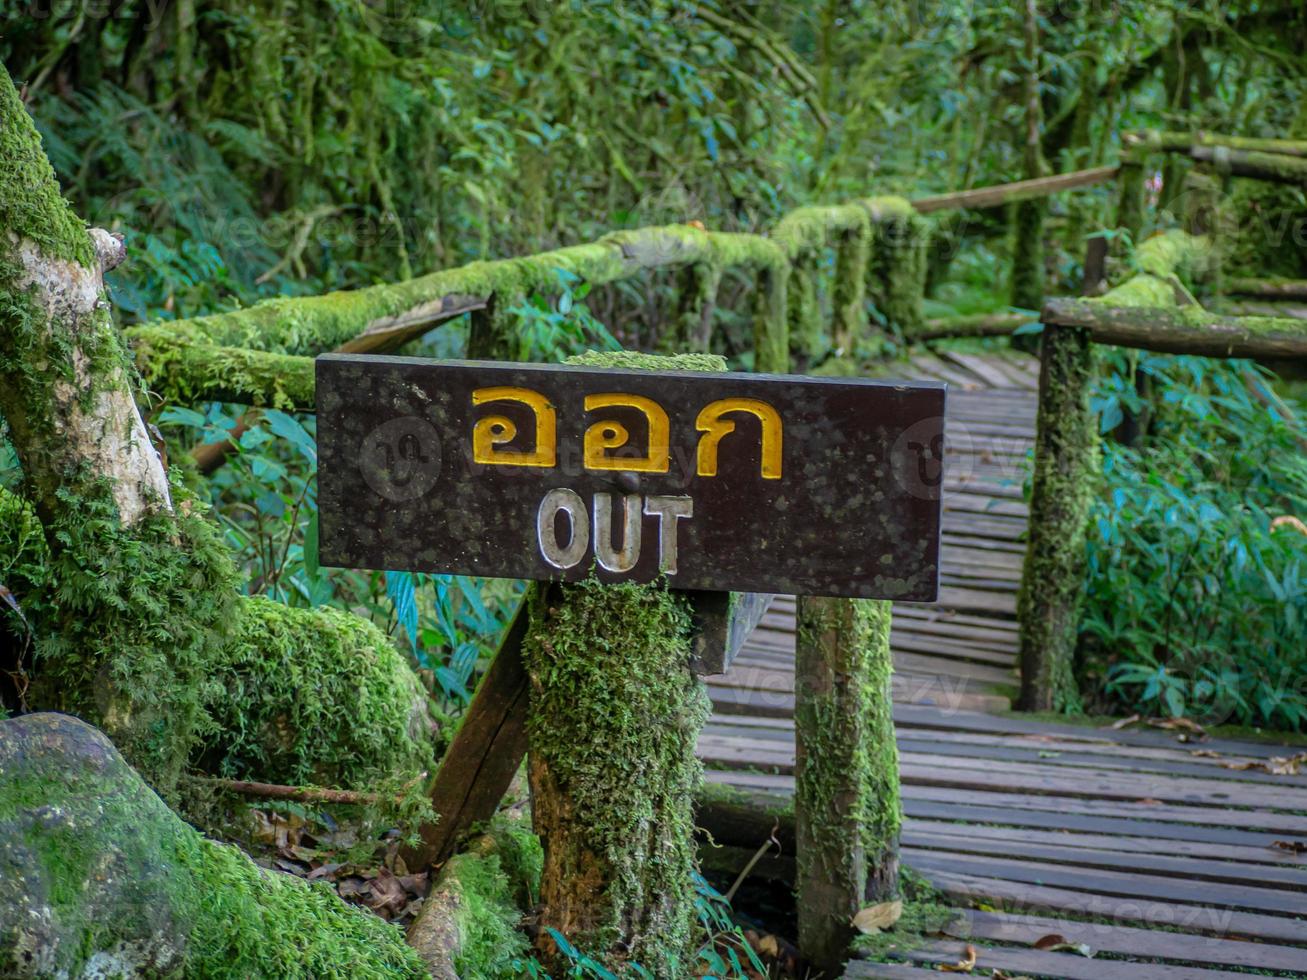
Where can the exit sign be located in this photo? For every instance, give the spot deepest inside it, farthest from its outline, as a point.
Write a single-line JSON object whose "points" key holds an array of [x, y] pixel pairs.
{"points": [[721, 482]]}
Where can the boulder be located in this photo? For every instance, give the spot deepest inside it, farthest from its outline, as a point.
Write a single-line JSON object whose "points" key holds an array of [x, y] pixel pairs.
{"points": [[98, 878]]}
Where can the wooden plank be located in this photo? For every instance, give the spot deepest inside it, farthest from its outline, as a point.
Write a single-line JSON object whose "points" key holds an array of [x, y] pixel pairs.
{"points": [[1189, 918], [1067, 966], [1126, 940], [485, 754], [956, 839], [979, 366], [1067, 836], [1055, 817], [861, 969], [1096, 783], [1092, 756], [1148, 887], [1017, 724], [1280, 824]]}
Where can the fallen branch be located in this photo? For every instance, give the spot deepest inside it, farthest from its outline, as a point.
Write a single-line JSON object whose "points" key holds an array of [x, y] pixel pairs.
{"points": [[1171, 142], [303, 794]]}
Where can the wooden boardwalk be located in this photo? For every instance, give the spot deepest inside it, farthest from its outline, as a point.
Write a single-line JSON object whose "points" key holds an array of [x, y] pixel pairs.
{"points": [[1154, 854]]}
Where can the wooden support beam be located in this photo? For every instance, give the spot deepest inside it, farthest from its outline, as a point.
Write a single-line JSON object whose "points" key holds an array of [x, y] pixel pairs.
{"points": [[1172, 331], [1021, 190], [484, 756]]}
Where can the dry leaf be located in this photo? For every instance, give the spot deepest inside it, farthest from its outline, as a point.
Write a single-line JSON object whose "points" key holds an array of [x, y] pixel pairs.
{"points": [[1277, 765], [1292, 846], [1052, 939], [1205, 753], [964, 965], [874, 918], [1123, 722]]}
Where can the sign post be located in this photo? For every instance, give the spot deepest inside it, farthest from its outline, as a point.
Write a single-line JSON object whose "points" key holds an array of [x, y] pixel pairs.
{"points": [[709, 483]]}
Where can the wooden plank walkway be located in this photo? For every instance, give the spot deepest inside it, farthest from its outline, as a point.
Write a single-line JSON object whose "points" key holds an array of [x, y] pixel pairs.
{"points": [[1153, 853]]}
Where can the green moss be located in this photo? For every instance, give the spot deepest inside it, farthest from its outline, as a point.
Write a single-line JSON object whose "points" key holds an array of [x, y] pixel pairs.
{"points": [[1174, 253], [846, 779], [804, 308], [183, 371], [897, 261], [696, 300], [613, 719], [117, 883], [314, 696], [487, 918], [30, 205], [636, 361], [848, 299]]}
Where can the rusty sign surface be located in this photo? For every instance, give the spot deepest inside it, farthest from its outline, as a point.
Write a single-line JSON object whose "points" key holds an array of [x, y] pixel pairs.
{"points": [[723, 482]]}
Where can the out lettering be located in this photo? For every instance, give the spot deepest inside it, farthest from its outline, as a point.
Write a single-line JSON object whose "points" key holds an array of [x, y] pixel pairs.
{"points": [[633, 508]]}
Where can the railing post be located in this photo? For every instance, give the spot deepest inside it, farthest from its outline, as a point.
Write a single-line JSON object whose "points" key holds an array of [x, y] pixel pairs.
{"points": [[492, 334], [846, 801], [697, 301], [771, 344], [1053, 574], [850, 290], [803, 302]]}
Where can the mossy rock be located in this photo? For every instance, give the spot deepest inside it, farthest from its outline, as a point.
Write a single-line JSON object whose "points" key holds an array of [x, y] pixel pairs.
{"points": [[98, 878], [316, 696]]}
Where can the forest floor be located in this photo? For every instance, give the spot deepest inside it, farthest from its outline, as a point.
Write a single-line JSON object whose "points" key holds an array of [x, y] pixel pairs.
{"points": [[1069, 850]]}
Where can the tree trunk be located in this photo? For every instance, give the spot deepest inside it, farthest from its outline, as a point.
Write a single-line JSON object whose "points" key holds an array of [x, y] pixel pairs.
{"points": [[143, 589]]}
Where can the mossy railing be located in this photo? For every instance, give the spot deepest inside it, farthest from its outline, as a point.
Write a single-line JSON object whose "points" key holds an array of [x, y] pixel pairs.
{"points": [[263, 355]]}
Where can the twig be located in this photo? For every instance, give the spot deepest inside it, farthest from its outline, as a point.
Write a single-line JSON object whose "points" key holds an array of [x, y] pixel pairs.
{"points": [[757, 856], [304, 794]]}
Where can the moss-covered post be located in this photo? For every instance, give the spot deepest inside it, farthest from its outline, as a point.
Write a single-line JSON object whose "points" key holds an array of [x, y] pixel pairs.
{"points": [[804, 301], [492, 334], [897, 260], [771, 344], [1053, 575], [695, 305], [614, 715], [846, 802], [850, 290]]}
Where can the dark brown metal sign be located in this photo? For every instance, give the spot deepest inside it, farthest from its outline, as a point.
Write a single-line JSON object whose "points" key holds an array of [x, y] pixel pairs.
{"points": [[725, 482]]}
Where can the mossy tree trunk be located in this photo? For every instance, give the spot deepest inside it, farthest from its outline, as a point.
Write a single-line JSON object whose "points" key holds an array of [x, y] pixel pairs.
{"points": [[847, 810], [137, 619], [143, 588], [1053, 575]]}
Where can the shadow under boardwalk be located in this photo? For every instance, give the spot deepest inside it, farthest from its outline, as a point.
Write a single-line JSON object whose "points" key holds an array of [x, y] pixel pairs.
{"points": [[1151, 853]]}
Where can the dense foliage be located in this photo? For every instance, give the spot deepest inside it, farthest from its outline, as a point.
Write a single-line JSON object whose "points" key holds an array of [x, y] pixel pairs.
{"points": [[253, 149], [1198, 560]]}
